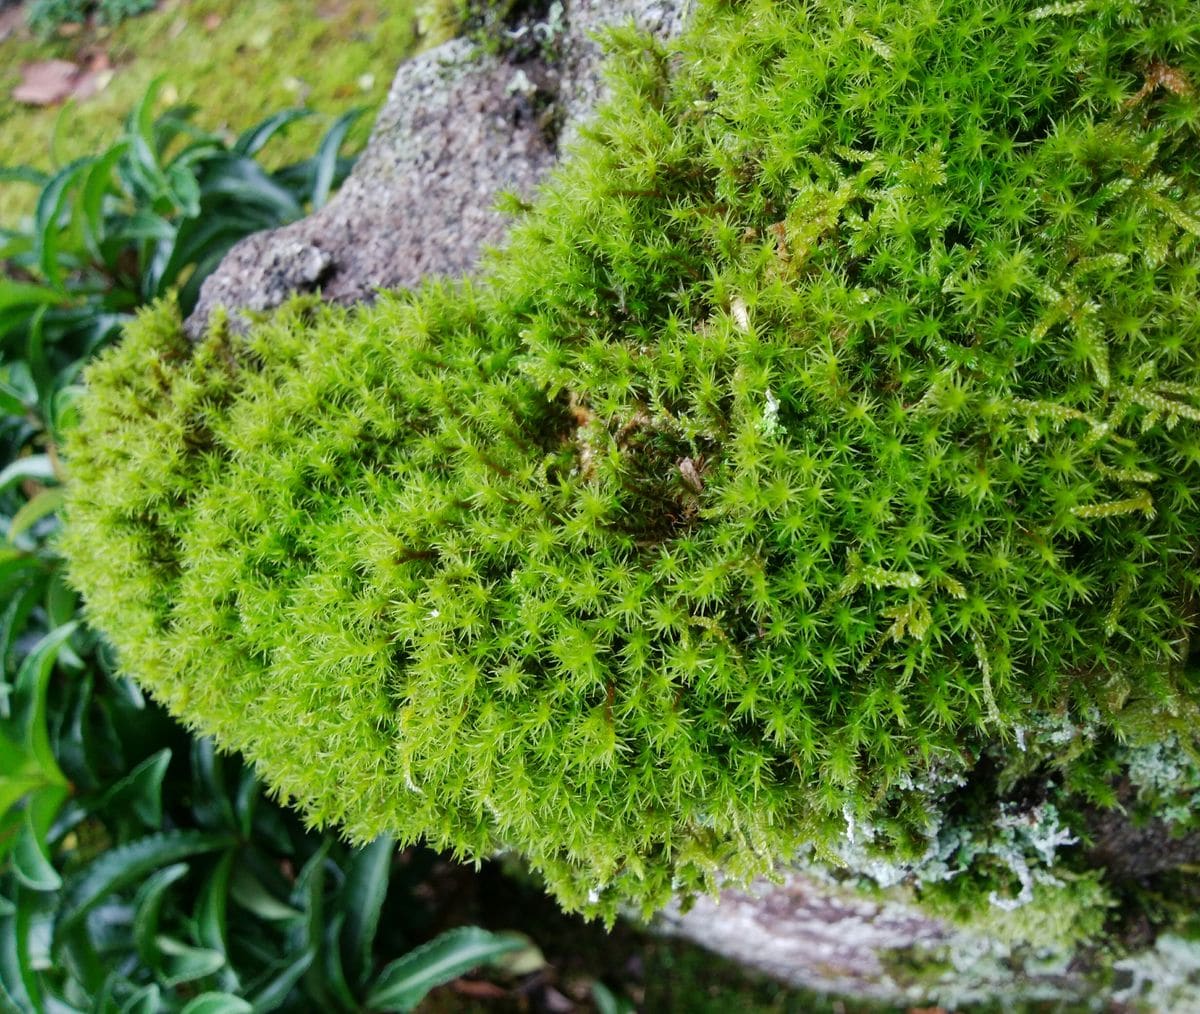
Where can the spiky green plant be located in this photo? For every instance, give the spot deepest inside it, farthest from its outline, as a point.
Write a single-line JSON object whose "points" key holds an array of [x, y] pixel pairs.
{"points": [[828, 422]]}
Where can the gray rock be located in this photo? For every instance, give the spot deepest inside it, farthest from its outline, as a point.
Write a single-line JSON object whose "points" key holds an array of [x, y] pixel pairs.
{"points": [[459, 127]]}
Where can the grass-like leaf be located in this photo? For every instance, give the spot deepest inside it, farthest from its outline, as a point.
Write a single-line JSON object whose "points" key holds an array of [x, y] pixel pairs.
{"points": [[407, 981], [129, 864], [362, 902]]}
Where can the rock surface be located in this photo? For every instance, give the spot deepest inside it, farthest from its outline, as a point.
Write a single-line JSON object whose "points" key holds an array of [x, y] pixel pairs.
{"points": [[811, 934], [459, 127]]}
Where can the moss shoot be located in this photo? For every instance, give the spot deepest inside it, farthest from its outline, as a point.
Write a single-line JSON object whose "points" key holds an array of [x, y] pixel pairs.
{"points": [[822, 445]]}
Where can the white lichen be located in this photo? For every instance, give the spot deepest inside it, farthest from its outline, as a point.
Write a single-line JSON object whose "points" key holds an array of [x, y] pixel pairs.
{"points": [[770, 422], [1166, 978], [1167, 774]]}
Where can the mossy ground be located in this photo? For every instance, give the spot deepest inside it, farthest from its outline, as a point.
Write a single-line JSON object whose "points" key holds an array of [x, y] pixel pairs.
{"points": [[236, 62]]}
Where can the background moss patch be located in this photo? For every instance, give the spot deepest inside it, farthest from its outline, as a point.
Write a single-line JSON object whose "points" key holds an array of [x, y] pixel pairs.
{"points": [[237, 62]]}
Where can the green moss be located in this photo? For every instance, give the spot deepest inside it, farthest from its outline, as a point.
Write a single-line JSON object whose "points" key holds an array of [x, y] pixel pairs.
{"points": [[1059, 918], [261, 57], [830, 423]]}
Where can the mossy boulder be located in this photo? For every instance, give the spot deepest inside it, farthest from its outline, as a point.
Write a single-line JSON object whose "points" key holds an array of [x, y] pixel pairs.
{"points": [[812, 475], [485, 113]]}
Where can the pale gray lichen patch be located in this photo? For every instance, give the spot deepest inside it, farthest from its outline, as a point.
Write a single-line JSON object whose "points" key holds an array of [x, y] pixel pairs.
{"points": [[1170, 773], [1165, 978]]}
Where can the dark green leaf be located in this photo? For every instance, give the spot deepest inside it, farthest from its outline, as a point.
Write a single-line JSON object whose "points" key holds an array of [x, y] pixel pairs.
{"points": [[22, 174], [309, 893], [44, 503], [246, 801], [145, 224], [127, 864], [147, 1000], [251, 141], [38, 467], [26, 294], [148, 906], [331, 964], [17, 978], [31, 687], [326, 158], [212, 906], [46, 219], [608, 1003], [98, 187], [35, 357], [361, 900], [405, 982], [185, 191], [185, 963], [244, 182], [31, 859], [248, 892], [210, 794], [145, 172], [217, 1003], [23, 600], [62, 602], [275, 991], [141, 789]]}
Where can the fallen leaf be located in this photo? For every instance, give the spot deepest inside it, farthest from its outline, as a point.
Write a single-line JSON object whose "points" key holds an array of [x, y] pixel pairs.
{"points": [[478, 990], [92, 82], [554, 1001], [45, 83], [11, 20]]}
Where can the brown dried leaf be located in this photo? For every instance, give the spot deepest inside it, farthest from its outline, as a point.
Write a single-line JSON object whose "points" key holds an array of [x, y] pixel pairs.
{"points": [[1171, 78], [93, 81], [1159, 75], [478, 989], [46, 82], [12, 19]]}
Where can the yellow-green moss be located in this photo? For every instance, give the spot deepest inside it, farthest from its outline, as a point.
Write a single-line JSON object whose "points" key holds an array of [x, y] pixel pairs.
{"points": [[827, 431]]}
